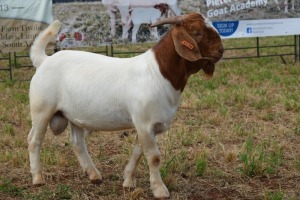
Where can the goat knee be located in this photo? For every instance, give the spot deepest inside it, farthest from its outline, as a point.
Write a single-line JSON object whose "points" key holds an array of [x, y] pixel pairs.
{"points": [[58, 123], [155, 160]]}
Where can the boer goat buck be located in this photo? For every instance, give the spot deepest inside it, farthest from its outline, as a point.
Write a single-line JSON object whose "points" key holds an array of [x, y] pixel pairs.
{"points": [[95, 92]]}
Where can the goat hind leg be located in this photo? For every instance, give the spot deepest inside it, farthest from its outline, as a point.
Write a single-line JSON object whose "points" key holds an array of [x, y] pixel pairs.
{"points": [[134, 32], [125, 20], [77, 138], [129, 172], [35, 140]]}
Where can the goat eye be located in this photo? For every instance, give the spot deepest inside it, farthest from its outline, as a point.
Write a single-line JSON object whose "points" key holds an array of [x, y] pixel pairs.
{"points": [[196, 34]]}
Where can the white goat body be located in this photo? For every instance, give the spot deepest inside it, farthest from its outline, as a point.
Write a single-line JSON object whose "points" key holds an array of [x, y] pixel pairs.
{"points": [[116, 92], [124, 7], [141, 16]]}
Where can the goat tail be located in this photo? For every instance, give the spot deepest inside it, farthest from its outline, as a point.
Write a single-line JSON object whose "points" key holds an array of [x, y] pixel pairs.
{"points": [[37, 51]]}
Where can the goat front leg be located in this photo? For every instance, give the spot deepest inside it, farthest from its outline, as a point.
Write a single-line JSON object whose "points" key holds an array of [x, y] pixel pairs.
{"points": [[154, 33], [77, 139], [152, 154], [129, 172]]}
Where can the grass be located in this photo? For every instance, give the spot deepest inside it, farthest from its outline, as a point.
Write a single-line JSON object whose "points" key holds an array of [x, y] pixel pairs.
{"points": [[262, 159], [276, 195], [201, 165], [7, 187], [235, 136]]}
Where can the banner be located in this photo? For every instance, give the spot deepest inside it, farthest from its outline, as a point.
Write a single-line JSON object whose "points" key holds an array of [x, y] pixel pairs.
{"points": [[105, 22], [94, 23], [253, 18], [21, 21]]}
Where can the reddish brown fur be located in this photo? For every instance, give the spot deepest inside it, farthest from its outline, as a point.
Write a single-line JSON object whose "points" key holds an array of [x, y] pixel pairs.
{"points": [[155, 161], [177, 69]]}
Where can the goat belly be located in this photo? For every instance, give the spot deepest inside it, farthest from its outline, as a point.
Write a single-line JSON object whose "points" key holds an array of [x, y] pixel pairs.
{"points": [[102, 125], [102, 115]]}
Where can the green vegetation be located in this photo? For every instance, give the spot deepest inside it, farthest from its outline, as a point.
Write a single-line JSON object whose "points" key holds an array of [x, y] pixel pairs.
{"points": [[201, 165], [264, 158]]}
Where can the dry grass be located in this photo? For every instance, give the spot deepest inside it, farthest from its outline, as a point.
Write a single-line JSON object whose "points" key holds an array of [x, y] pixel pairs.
{"points": [[236, 136]]}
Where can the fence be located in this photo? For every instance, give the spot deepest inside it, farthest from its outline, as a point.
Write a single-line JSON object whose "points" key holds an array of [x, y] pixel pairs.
{"points": [[11, 63]]}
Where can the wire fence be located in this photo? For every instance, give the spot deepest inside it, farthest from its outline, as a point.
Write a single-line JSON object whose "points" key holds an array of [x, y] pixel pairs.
{"points": [[17, 66]]}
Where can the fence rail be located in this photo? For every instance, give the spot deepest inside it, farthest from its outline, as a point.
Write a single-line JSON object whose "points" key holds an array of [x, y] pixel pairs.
{"points": [[9, 62]]}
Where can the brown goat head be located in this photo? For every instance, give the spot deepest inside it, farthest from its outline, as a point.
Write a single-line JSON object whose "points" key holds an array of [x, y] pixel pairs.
{"points": [[163, 8], [195, 37], [197, 44]]}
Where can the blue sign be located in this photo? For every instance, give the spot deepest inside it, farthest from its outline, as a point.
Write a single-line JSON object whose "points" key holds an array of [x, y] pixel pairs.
{"points": [[226, 28]]}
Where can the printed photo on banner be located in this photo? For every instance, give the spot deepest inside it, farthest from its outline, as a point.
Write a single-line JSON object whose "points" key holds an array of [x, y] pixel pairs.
{"points": [[95, 22]]}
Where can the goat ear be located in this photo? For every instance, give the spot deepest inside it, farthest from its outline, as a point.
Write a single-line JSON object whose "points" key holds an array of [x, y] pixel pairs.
{"points": [[185, 45]]}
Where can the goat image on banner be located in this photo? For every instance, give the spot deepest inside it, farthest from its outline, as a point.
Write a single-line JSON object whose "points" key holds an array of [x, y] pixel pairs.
{"points": [[108, 22]]}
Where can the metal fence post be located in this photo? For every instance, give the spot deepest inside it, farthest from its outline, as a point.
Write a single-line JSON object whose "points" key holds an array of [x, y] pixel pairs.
{"points": [[112, 50], [295, 48], [10, 67], [257, 47]]}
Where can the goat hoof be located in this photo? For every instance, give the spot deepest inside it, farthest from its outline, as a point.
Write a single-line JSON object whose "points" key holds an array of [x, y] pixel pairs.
{"points": [[129, 183], [38, 181], [161, 193], [96, 181]]}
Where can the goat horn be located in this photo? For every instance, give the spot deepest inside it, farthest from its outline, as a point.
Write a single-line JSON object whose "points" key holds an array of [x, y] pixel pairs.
{"points": [[170, 20]]}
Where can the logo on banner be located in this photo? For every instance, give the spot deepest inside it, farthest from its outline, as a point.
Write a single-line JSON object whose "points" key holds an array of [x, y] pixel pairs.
{"points": [[249, 30]]}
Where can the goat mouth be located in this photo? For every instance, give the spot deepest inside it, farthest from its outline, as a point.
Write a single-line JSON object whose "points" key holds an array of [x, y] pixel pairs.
{"points": [[215, 59], [212, 59]]}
